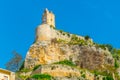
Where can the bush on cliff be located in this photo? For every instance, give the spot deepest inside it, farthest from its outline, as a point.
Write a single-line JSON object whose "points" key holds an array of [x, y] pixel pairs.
{"points": [[41, 77], [66, 62]]}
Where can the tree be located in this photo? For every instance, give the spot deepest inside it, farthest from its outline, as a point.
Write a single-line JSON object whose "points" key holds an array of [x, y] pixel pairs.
{"points": [[14, 63], [110, 47], [116, 64], [87, 37]]}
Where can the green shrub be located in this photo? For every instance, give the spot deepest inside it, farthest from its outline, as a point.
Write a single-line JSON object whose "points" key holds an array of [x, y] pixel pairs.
{"points": [[108, 75], [66, 62], [23, 77], [78, 42], [61, 31], [68, 34], [74, 37], [83, 75], [25, 70], [103, 73], [108, 78], [36, 67], [51, 26], [96, 73], [102, 46], [41, 76], [87, 37], [64, 33], [110, 47], [22, 66], [105, 46], [61, 41], [116, 64], [116, 53]]}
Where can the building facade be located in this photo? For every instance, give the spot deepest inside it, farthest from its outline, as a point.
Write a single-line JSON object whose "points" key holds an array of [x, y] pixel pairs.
{"points": [[6, 75]]}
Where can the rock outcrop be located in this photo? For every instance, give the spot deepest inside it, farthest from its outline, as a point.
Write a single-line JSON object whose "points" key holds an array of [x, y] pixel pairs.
{"points": [[66, 56], [46, 52], [52, 46]]}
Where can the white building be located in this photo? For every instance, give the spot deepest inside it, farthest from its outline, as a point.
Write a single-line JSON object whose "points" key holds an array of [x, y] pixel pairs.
{"points": [[6, 75]]}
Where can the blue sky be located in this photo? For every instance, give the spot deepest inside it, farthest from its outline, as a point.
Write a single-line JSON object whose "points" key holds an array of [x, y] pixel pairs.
{"points": [[100, 19]]}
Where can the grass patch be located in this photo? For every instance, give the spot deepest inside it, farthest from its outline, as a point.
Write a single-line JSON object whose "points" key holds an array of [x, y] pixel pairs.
{"points": [[107, 75], [25, 70], [41, 76], [36, 67], [66, 62]]}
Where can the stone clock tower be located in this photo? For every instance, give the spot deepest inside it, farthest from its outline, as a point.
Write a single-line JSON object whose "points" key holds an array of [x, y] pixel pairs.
{"points": [[48, 18]]}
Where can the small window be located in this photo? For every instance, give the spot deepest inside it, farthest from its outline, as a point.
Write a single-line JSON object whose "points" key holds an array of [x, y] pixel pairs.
{"points": [[5, 77]]}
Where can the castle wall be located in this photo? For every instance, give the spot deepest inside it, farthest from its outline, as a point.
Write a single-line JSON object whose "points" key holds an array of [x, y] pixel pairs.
{"points": [[44, 32]]}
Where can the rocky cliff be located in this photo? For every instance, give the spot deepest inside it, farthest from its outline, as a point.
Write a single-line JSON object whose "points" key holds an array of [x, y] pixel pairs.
{"points": [[58, 55], [48, 52]]}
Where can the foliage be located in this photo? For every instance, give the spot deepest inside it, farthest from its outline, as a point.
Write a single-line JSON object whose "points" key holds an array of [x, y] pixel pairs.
{"points": [[116, 56], [23, 77], [96, 73], [61, 41], [51, 26], [14, 63], [115, 51], [22, 66], [110, 47], [108, 78], [108, 72], [117, 76], [116, 64], [61, 31], [25, 70], [87, 37], [66, 62], [68, 34], [102, 46], [107, 75], [36, 67], [83, 75], [76, 40], [105, 46], [41, 76]]}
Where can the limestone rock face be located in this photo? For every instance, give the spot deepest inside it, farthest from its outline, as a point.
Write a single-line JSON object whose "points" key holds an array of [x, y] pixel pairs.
{"points": [[62, 71], [46, 52], [60, 55], [53, 46], [57, 70]]}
